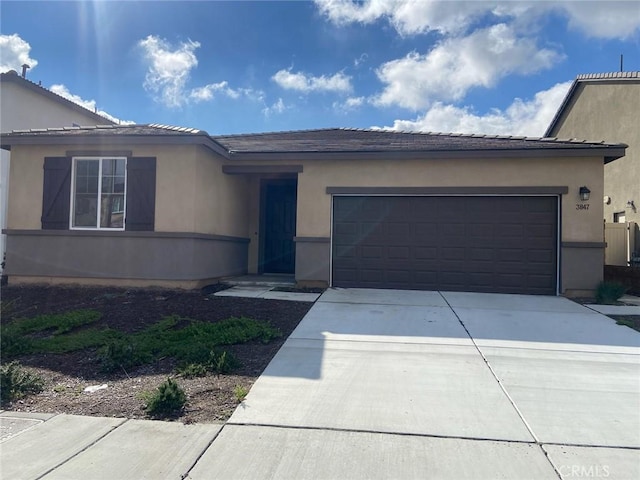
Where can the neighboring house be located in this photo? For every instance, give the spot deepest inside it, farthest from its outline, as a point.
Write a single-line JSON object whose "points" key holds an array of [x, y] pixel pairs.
{"points": [[24, 104], [338, 207], [607, 107]]}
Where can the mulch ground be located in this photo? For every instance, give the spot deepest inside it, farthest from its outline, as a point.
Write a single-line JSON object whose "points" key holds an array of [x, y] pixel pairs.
{"points": [[210, 398]]}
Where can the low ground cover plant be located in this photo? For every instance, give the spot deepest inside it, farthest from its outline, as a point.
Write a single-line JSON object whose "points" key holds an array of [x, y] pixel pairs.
{"points": [[193, 343]]}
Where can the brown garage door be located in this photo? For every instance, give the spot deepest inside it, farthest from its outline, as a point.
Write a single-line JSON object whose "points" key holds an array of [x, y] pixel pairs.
{"points": [[464, 243]]}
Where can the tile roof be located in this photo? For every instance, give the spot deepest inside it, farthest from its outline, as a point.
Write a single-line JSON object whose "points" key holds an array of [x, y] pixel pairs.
{"points": [[357, 140], [313, 143], [106, 130], [608, 76]]}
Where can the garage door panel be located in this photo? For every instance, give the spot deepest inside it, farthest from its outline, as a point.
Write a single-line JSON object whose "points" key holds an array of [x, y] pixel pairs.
{"points": [[479, 254], [485, 244]]}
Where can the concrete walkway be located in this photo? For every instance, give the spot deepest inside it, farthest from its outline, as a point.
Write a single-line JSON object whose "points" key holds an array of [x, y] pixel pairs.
{"points": [[392, 384]]}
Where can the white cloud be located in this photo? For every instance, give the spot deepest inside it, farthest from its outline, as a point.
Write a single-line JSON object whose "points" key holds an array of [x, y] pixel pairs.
{"points": [[408, 17], [208, 92], [169, 72], [302, 82], [278, 107], [169, 69], [595, 18], [14, 52], [528, 118], [360, 60], [64, 92], [456, 65], [612, 19], [350, 104]]}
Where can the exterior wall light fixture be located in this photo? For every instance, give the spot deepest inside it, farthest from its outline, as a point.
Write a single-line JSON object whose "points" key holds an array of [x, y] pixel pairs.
{"points": [[584, 193], [631, 205]]}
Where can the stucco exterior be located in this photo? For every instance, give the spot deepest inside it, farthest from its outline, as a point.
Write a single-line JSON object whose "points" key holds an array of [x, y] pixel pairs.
{"points": [[25, 105], [209, 209], [607, 108]]}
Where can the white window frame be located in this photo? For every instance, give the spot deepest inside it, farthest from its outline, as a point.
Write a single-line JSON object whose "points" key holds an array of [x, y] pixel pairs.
{"points": [[74, 162]]}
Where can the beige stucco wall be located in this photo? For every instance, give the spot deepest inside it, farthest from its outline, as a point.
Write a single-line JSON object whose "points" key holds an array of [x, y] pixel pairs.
{"points": [[610, 110], [314, 204], [24, 108], [21, 108], [221, 203], [192, 193]]}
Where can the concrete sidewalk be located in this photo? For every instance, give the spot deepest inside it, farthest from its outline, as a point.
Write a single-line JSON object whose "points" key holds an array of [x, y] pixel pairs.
{"points": [[390, 384]]}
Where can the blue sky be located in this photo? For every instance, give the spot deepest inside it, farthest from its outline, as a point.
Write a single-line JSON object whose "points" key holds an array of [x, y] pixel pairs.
{"points": [[240, 67]]}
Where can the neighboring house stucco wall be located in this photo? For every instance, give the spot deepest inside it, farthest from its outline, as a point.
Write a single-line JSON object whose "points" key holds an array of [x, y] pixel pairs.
{"points": [[24, 105], [610, 111], [25, 108]]}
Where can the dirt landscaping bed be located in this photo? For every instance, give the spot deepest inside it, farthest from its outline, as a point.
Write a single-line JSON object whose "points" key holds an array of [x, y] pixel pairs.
{"points": [[131, 311]]}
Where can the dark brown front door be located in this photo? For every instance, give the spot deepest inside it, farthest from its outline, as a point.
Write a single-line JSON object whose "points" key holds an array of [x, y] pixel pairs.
{"points": [[478, 244], [279, 226]]}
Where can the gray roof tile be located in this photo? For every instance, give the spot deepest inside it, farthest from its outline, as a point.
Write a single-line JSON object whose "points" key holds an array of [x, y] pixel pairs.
{"points": [[322, 141], [352, 140]]}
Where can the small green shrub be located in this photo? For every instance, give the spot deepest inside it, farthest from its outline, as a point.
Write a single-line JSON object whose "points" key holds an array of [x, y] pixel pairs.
{"points": [[240, 392], [168, 400], [199, 363], [224, 362], [608, 293], [16, 382], [192, 370]]}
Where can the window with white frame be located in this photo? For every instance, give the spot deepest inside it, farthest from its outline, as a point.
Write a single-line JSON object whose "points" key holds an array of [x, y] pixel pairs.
{"points": [[98, 193]]}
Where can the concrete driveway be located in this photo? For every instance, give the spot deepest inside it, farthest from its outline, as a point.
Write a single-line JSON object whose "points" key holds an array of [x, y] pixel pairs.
{"points": [[404, 384], [394, 384]]}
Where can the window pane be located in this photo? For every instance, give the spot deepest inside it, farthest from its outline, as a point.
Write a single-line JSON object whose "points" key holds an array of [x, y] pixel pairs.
{"points": [[107, 175], [118, 184], [113, 175], [85, 211], [112, 211], [93, 167], [107, 184], [85, 208]]}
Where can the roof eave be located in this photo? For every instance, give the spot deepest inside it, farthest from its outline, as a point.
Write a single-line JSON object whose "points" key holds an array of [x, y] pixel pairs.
{"points": [[204, 139], [608, 152], [550, 132]]}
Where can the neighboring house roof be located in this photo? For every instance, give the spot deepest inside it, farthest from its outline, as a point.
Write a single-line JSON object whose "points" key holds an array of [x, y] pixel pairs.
{"points": [[588, 78], [321, 143], [12, 77]]}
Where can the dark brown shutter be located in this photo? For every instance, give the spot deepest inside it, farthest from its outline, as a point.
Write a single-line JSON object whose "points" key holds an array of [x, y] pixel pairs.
{"points": [[56, 195], [141, 194]]}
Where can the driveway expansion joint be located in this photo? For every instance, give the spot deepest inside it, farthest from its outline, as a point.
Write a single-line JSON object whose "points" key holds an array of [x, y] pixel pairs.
{"points": [[185, 475], [504, 390], [382, 432]]}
